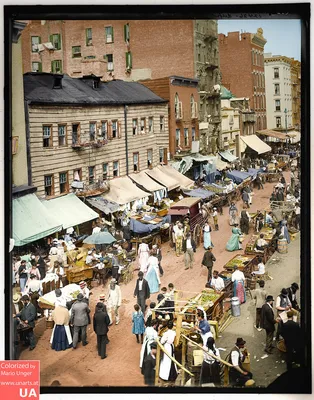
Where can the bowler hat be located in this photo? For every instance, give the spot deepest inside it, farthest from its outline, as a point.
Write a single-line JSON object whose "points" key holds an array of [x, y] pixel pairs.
{"points": [[153, 345], [80, 297], [284, 292], [58, 292], [295, 285], [240, 341], [269, 298]]}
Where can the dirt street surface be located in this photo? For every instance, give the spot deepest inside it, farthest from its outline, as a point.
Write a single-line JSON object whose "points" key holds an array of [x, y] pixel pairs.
{"points": [[83, 367]]}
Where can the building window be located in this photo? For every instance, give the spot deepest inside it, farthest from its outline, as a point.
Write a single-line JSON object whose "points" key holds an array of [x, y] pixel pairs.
{"points": [[55, 39], [47, 136], [149, 158], [276, 73], [75, 133], [49, 188], [36, 67], [162, 123], [63, 181], [115, 168], [193, 134], [254, 101], [186, 136], [177, 137], [253, 57], [76, 51], [91, 175], [143, 125], [62, 135], [231, 120], [127, 33], [277, 105], [104, 129], [105, 171], [177, 107], [89, 37], [56, 67], [109, 58], [134, 126], [136, 166], [150, 125], [128, 60], [277, 89], [193, 107], [92, 131], [278, 122], [77, 174], [114, 129], [35, 40], [109, 34], [161, 156]]}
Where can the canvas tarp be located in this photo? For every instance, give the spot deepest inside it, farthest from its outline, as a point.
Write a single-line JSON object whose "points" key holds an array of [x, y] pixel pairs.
{"points": [[69, 210], [139, 227], [123, 191], [185, 182], [295, 136], [186, 162], [202, 193], [103, 205], [238, 176], [256, 144], [146, 182], [163, 178], [31, 220], [278, 136], [227, 155]]}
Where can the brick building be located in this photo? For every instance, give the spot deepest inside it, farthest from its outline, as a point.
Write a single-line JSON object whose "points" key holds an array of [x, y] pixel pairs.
{"points": [[296, 93], [242, 69], [183, 97], [132, 50]]}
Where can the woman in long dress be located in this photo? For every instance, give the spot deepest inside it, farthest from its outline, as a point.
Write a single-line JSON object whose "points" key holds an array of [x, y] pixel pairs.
{"points": [[138, 327], [245, 222], [234, 242], [150, 337], [61, 338], [143, 253], [168, 369], [284, 231], [207, 236], [210, 371], [233, 214], [238, 280], [152, 274]]}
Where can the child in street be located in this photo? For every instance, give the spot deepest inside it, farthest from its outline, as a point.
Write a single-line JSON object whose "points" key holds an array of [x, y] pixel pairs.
{"points": [[138, 323], [215, 218]]}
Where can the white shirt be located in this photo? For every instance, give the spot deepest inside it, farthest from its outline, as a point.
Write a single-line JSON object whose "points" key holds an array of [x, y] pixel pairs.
{"points": [[261, 269], [278, 302], [237, 276], [297, 210], [96, 230], [178, 232], [215, 213], [34, 285], [188, 244], [89, 259], [207, 358], [114, 297], [235, 358], [100, 265], [85, 292], [140, 284], [168, 337], [218, 283], [53, 251], [261, 242]]}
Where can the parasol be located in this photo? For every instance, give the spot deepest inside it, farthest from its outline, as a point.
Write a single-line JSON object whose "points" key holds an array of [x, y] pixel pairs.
{"points": [[100, 238]]}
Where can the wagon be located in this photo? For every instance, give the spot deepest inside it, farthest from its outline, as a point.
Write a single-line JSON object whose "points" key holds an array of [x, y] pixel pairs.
{"points": [[195, 211], [283, 161]]}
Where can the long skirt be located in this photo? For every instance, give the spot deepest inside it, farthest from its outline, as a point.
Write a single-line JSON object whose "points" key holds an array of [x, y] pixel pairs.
{"points": [[244, 225], [233, 243], [168, 369], [210, 373], [61, 338], [152, 280], [207, 240], [233, 219], [239, 291]]}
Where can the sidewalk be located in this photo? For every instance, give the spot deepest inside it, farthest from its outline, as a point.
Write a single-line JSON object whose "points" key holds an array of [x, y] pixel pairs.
{"points": [[285, 269]]}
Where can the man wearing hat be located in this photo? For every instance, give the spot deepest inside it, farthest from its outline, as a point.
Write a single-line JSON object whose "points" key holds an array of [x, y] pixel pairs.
{"points": [[291, 332], [238, 375], [79, 319], [283, 303], [89, 258], [114, 301], [149, 365], [292, 295], [268, 322], [18, 304], [208, 262], [85, 291], [28, 316], [22, 272], [215, 218]]}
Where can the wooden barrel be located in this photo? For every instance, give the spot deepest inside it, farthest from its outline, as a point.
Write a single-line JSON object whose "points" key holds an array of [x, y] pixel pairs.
{"points": [[282, 246]]}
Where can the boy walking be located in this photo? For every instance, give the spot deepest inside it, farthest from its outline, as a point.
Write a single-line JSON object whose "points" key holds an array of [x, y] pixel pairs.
{"points": [[215, 218], [260, 296]]}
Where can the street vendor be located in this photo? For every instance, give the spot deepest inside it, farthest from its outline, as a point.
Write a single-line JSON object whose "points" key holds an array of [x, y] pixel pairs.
{"points": [[203, 327], [238, 375], [215, 218], [259, 221], [269, 218], [217, 283], [238, 280], [85, 291], [89, 258], [261, 243], [101, 271]]}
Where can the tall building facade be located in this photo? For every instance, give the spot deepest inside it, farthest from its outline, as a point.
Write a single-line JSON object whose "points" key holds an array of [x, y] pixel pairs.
{"points": [[296, 93], [242, 69], [278, 91], [133, 50]]}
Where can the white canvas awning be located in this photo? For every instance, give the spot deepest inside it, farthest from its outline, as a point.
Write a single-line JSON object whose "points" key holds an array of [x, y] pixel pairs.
{"points": [[256, 144], [163, 178], [124, 191], [185, 182], [146, 182], [295, 136]]}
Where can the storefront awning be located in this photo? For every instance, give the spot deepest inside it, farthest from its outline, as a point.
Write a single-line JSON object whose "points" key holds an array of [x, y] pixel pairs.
{"points": [[31, 220], [227, 155], [103, 205], [185, 182], [69, 210], [202, 193], [123, 191], [278, 136], [256, 144], [146, 182], [163, 178], [295, 136]]}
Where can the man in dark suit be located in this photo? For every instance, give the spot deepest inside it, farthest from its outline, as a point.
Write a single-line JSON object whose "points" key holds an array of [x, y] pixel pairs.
{"points": [[141, 291], [28, 316], [291, 332], [149, 365], [268, 322], [208, 262], [79, 319], [101, 323]]}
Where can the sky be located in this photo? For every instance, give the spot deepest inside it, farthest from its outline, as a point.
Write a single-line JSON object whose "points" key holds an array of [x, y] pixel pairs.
{"points": [[283, 36]]}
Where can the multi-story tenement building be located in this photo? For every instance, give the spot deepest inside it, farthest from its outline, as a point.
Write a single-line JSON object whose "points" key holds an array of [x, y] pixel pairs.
{"points": [[296, 93], [278, 91], [132, 50], [247, 116], [242, 69], [183, 97], [86, 130]]}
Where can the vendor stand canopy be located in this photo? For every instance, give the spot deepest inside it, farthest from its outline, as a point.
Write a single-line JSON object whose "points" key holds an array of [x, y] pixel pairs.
{"points": [[31, 220], [69, 210], [104, 205], [272, 136], [185, 182], [294, 136], [163, 178], [201, 193], [147, 183], [123, 191], [100, 238], [256, 144], [227, 156], [238, 176]]}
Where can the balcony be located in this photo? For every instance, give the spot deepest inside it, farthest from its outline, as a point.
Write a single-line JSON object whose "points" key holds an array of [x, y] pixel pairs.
{"points": [[246, 117], [215, 120], [95, 144], [212, 63]]}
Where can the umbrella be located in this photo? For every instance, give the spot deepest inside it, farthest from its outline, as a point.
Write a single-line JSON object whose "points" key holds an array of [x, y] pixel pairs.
{"points": [[100, 238]]}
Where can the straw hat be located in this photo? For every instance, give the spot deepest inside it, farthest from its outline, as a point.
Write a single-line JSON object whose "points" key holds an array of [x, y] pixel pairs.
{"points": [[16, 298]]}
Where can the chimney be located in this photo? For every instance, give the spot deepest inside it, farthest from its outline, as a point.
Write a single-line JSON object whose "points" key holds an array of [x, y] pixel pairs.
{"points": [[57, 81]]}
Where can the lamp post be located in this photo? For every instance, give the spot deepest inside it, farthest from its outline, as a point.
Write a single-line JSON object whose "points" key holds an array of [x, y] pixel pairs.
{"points": [[285, 111]]}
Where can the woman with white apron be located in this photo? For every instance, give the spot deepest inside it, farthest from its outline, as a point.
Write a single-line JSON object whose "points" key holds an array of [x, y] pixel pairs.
{"points": [[203, 326], [150, 337], [168, 369], [61, 338]]}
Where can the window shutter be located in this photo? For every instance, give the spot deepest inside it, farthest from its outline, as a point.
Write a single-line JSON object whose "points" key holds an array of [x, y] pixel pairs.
{"points": [[51, 39], [180, 110], [39, 39], [126, 59], [59, 41], [125, 34], [52, 66], [130, 59], [112, 34], [109, 130], [119, 130], [86, 37], [40, 67]]}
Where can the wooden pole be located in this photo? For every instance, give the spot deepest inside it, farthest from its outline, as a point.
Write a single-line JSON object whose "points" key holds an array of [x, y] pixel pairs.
{"points": [[178, 329], [183, 360], [176, 295], [157, 366]]}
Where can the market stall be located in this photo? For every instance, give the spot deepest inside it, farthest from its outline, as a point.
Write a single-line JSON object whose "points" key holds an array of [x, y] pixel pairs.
{"points": [[69, 293], [268, 237], [244, 262]]}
